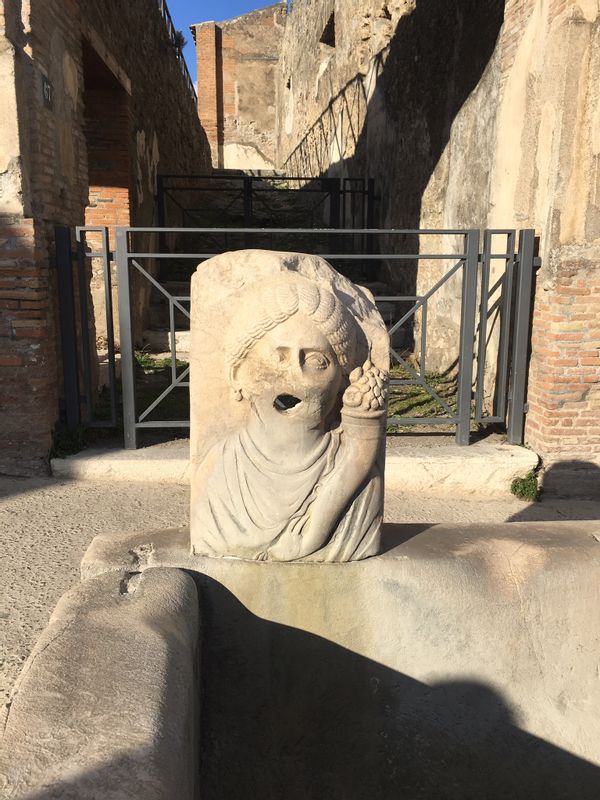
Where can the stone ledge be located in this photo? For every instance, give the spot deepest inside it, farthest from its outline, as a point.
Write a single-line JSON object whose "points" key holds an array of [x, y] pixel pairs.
{"points": [[484, 469], [104, 706], [162, 463]]}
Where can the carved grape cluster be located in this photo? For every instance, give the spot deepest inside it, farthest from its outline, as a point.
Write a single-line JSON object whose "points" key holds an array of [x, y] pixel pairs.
{"points": [[367, 393]]}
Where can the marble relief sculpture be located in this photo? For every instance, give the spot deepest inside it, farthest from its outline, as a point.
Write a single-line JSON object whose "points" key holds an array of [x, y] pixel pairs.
{"points": [[288, 390]]}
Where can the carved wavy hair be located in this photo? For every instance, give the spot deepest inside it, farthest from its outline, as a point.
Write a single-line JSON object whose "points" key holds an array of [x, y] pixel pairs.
{"points": [[298, 295]]}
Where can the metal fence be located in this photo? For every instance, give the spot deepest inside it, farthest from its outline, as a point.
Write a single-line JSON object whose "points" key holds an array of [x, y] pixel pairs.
{"points": [[264, 200], [504, 304]]}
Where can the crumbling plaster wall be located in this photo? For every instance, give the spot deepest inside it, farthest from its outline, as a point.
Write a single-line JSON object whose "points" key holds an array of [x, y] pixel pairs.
{"points": [[237, 61], [469, 115], [44, 178]]}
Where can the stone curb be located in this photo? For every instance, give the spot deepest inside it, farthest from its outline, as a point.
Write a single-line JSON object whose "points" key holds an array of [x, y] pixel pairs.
{"points": [[105, 706], [485, 469]]}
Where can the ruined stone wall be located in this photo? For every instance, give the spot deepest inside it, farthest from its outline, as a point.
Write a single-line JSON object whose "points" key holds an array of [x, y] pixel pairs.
{"points": [[44, 177], [237, 62], [470, 114], [545, 176]]}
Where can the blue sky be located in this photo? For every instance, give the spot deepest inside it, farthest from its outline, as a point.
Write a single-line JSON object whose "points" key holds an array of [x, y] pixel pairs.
{"points": [[186, 12]]}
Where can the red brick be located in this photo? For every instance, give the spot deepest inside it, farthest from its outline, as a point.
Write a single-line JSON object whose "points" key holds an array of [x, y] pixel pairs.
{"points": [[10, 361]]}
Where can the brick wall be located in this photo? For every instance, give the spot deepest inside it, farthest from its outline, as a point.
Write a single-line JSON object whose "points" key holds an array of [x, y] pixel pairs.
{"points": [[28, 372], [48, 177], [207, 48], [107, 133], [564, 380]]}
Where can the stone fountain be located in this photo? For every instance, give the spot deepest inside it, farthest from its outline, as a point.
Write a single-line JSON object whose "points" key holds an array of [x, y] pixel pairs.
{"points": [[287, 644]]}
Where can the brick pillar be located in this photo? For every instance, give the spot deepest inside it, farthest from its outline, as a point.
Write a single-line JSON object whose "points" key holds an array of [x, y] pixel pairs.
{"points": [[208, 58], [28, 369], [564, 380]]}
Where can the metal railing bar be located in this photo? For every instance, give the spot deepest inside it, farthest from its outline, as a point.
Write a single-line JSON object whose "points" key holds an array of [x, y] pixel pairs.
{"points": [[488, 420], [165, 423], [467, 337], [88, 228], [483, 319], [172, 342], [504, 344], [97, 254], [418, 381], [86, 355], [426, 296], [126, 339], [68, 340], [379, 231], [422, 420], [256, 178], [518, 378], [110, 329], [155, 283], [389, 297], [423, 339]]}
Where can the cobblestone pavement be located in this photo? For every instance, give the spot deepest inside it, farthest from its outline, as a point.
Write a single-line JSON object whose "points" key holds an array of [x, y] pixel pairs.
{"points": [[47, 524]]}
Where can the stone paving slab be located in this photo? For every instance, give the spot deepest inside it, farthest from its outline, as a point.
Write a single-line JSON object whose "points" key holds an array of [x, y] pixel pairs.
{"points": [[435, 466]]}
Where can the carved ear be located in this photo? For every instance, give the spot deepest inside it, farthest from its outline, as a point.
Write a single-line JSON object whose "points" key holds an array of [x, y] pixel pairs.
{"points": [[237, 390]]}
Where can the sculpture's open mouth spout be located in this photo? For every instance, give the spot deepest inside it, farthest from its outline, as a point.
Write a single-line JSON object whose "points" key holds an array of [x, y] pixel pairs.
{"points": [[286, 402]]}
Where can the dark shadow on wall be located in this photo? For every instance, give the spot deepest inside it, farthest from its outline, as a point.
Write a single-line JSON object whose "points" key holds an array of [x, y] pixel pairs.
{"points": [[570, 490], [287, 714], [435, 59]]}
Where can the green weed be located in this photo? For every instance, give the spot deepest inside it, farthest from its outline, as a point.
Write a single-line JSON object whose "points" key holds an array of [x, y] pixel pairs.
{"points": [[526, 488]]}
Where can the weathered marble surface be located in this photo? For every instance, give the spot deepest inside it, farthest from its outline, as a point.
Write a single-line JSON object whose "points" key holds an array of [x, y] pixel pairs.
{"points": [[288, 400], [461, 663]]}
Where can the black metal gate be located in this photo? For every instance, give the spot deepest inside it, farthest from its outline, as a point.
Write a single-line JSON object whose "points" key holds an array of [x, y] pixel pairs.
{"points": [[263, 201], [504, 305]]}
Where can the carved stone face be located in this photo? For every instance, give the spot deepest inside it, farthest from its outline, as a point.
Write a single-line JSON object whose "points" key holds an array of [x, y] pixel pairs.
{"points": [[291, 373]]}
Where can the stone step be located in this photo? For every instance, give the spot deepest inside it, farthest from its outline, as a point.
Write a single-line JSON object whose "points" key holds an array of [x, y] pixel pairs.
{"points": [[159, 341], [438, 468]]}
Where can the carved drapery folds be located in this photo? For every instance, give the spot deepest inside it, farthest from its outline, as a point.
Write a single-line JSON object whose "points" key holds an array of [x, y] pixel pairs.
{"points": [[288, 391]]}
